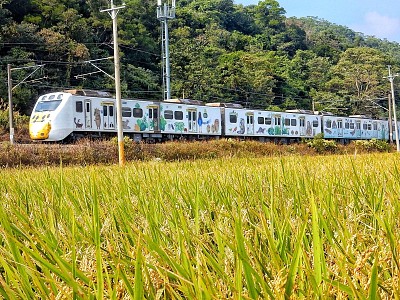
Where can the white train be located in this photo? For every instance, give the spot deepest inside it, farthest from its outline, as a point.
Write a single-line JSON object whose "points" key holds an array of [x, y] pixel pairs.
{"points": [[73, 114]]}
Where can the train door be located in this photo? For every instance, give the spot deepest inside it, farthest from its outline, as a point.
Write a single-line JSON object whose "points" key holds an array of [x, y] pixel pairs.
{"points": [[250, 123], [302, 126], [375, 129], [192, 120], [108, 116], [358, 129], [88, 113], [153, 118], [340, 127], [278, 124]]}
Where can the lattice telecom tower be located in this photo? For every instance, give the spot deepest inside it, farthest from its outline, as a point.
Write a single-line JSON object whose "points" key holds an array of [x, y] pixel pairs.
{"points": [[165, 11]]}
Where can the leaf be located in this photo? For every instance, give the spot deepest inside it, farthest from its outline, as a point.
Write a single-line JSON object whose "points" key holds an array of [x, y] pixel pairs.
{"points": [[295, 263]]}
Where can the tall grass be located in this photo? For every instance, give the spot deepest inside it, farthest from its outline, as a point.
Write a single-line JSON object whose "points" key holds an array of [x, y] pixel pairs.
{"points": [[237, 228], [87, 152]]}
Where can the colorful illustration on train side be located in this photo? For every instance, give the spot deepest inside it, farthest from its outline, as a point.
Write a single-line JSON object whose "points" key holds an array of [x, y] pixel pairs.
{"points": [[141, 124], [278, 130]]}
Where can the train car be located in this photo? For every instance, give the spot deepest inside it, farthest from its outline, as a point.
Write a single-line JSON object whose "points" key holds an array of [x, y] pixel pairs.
{"points": [[77, 113], [73, 114], [189, 118], [355, 128], [268, 125]]}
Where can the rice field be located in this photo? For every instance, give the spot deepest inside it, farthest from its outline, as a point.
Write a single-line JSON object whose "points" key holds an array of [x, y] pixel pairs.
{"points": [[294, 227]]}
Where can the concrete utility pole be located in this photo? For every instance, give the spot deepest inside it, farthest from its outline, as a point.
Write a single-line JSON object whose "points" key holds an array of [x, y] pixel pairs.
{"points": [[391, 79], [113, 12], [390, 118], [164, 13], [10, 104]]}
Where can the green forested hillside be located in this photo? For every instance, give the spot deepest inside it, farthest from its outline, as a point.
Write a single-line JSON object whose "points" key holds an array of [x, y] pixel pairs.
{"points": [[220, 51]]}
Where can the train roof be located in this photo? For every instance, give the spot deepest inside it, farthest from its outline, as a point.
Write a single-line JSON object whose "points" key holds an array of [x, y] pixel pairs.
{"points": [[184, 101], [301, 111], [226, 105], [89, 93], [360, 116]]}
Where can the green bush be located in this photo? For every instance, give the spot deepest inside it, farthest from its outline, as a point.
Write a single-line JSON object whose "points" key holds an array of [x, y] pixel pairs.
{"points": [[21, 123], [320, 145], [4, 118], [373, 145]]}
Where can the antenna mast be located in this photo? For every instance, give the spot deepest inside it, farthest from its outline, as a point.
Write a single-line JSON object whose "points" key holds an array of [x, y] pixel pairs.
{"points": [[164, 13]]}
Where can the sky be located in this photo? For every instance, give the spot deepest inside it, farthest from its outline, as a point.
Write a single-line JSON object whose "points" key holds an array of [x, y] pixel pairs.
{"points": [[379, 18]]}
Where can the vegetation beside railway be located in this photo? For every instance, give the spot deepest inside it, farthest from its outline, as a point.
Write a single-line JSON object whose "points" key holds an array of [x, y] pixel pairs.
{"points": [[93, 152], [87, 152]]}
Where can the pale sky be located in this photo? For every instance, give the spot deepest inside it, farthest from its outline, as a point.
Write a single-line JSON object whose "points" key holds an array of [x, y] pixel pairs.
{"points": [[379, 18]]}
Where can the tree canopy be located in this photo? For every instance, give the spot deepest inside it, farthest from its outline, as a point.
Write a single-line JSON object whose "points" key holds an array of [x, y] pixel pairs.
{"points": [[220, 52]]}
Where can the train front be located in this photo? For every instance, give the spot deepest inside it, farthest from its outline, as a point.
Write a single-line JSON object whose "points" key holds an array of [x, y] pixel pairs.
{"points": [[46, 122]]}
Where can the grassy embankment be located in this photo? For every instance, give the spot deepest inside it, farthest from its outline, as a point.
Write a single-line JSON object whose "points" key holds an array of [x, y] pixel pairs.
{"points": [[235, 228], [88, 152]]}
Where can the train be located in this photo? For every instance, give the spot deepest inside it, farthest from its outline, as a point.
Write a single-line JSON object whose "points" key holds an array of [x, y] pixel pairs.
{"points": [[73, 114]]}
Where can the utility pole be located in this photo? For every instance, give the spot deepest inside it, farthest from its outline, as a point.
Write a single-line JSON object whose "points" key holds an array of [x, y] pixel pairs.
{"points": [[113, 12], [390, 118], [391, 79], [164, 13], [10, 104], [10, 89]]}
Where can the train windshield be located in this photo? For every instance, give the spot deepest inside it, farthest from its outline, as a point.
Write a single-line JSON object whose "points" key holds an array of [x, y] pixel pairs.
{"points": [[47, 105]]}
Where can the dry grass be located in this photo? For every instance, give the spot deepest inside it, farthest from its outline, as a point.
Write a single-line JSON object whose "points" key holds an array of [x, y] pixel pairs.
{"points": [[88, 152]]}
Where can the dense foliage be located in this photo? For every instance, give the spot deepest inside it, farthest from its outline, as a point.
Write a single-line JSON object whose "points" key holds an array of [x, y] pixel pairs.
{"points": [[220, 51]]}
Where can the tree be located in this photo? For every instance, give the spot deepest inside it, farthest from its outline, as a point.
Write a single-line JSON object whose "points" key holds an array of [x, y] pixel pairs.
{"points": [[359, 76], [250, 76]]}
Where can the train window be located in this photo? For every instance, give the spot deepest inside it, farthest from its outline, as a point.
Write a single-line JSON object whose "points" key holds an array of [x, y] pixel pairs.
{"points": [[293, 122], [126, 112], [339, 124], [250, 119], [358, 125], [79, 106], [111, 111], [315, 123], [105, 111], [52, 97], [287, 122], [205, 116], [347, 125], [178, 115], [278, 121], [369, 127], [351, 125], [328, 124], [375, 126], [268, 121], [138, 113], [233, 118], [302, 122], [168, 115], [365, 126], [47, 105], [260, 120]]}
